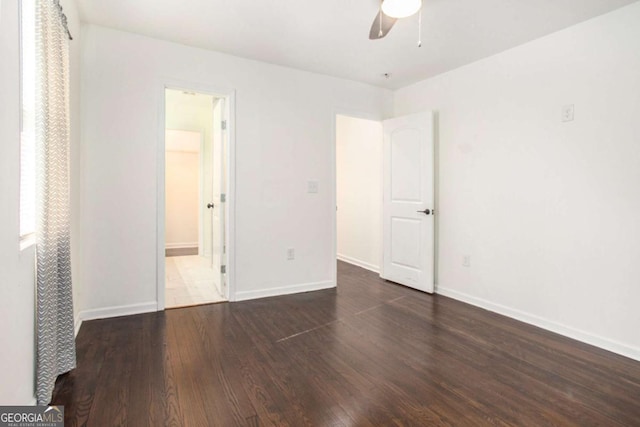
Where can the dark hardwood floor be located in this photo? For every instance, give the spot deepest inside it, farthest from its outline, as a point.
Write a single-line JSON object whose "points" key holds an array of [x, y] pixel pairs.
{"points": [[370, 353]]}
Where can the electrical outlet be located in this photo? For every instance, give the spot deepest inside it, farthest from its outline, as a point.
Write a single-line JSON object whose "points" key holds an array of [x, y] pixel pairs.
{"points": [[312, 186], [291, 254], [567, 113], [466, 261]]}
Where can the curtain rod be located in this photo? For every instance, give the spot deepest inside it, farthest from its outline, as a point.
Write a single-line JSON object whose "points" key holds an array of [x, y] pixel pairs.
{"points": [[63, 18]]}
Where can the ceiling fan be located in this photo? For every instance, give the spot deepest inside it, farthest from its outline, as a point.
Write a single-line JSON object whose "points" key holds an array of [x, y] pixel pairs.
{"points": [[389, 13]]}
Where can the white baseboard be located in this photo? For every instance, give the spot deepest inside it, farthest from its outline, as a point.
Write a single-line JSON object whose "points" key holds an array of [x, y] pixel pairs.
{"points": [[359, 263], [121, 310], [284, 290], [550, 325], [181, 245], [77, 324]]}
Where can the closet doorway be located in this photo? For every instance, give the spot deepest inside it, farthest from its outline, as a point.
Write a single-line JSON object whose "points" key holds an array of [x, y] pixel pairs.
{"points": [[194, 193]]}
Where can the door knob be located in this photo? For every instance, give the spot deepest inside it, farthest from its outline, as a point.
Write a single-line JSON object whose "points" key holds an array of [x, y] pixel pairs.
{"points": [[426, 211], [210, 205]]}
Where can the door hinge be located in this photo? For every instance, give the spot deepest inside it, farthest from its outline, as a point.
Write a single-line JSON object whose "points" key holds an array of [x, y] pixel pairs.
{"points": [[224, 125], [223, 198], [223, 269]]}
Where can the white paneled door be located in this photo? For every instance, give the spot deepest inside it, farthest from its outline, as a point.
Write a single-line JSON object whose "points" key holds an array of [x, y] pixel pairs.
{"points": [[408, 201]]}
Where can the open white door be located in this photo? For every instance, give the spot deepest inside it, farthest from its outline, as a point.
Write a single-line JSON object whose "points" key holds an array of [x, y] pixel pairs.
{"points": [[408, 201], [217, 218]]}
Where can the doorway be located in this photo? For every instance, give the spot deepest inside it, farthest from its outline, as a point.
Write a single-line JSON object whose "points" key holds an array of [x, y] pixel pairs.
{"points": [[385, 197], [195, 151], [359, 143]]}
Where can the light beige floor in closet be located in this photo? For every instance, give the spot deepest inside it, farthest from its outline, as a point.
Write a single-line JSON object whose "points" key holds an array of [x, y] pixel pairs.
{"points": [[190, 281]]}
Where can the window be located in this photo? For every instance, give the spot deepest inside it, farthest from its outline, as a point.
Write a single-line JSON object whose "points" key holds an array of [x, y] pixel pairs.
{"points": [[28, 122]]}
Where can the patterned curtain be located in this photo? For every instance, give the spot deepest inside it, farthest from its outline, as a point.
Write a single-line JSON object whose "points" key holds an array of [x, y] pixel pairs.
{"points": [[55, 334]]}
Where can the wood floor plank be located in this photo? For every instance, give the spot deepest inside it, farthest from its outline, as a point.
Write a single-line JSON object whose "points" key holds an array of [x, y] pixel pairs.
{"points": [[77, 387], [112, 387], [504, 383], [559, 369], [369, 353]]}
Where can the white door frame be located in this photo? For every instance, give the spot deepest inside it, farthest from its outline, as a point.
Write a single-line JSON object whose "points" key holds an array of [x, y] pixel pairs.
{"points": [[334, 181], [230, 95]]}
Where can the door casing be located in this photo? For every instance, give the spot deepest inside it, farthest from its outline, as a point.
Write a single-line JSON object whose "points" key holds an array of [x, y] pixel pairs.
{"points": [[229, 95]]}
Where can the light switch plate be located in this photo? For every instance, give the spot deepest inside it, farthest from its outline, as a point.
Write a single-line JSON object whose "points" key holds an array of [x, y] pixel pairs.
{"points": [[312, 186]]}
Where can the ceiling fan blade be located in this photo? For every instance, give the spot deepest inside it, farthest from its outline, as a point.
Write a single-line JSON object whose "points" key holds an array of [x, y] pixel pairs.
{"points": [[387, 24]]}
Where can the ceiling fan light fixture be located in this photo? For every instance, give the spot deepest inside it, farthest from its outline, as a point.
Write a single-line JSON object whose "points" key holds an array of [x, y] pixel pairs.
{"points": [[400, 8]]}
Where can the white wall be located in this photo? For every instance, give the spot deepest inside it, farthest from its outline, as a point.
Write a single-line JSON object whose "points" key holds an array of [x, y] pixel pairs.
{"points": [[182, 193], [71, 11], [547, 210], [359, 191], [284, 138], [17, 315]]}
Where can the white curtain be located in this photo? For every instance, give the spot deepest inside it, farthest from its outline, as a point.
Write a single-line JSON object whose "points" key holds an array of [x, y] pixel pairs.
{"points": [[55, 329]]}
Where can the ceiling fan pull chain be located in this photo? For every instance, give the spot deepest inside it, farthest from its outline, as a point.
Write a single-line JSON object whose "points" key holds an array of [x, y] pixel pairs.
{"points": [[420, 28]]}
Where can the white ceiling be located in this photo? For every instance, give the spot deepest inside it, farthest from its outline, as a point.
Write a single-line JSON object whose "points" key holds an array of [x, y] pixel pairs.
{"points": [[189, 103], [191, 100], [331, 36]]}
